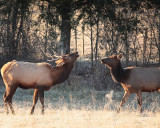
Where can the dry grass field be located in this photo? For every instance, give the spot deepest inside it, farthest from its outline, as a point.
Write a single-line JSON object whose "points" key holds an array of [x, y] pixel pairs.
{"points": [[65, 118], [68, 107]]}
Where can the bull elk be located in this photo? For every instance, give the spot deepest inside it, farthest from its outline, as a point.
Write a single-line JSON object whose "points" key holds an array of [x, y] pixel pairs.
{"points": [[38, 76], [133, 79]]}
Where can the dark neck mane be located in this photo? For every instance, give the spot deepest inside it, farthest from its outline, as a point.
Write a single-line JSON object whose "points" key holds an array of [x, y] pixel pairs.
{"points": [[117, 73], [61, 73]]}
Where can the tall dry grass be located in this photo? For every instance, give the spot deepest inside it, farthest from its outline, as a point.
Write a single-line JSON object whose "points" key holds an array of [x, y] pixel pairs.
{"points": [[65, 118]]}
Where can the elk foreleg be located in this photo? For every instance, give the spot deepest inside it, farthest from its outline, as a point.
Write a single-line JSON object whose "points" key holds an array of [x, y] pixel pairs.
{"points": [[124, 99], [35, 99], [139, 98], [41, 97]]}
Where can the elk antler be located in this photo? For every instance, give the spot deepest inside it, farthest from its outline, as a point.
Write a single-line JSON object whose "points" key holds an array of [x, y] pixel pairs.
{"points": [[54, 57]]}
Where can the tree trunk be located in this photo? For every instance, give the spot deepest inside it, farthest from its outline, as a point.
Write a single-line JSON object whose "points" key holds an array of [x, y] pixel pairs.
{"points": [[144, 46], [20, 27], [159, 39], [13, 44], [75, 32], [114, 46], [46, 34], [151, 42], [24, 45], [97, 39], [46, 38], [127, 48], [135, 52], [65, 34], [83, 38], [8, 34], [91, 47], [134, 42]]}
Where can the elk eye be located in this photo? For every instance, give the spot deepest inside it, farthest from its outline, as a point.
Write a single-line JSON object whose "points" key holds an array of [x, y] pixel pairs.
{"points": [[66, 57], [69, 57]]}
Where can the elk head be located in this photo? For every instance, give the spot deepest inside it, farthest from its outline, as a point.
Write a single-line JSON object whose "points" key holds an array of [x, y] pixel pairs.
{"points": [[112, 61], [66, 59]]}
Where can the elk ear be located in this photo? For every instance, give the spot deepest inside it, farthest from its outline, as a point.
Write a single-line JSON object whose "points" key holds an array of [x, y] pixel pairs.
{"points": [[119, 56]]}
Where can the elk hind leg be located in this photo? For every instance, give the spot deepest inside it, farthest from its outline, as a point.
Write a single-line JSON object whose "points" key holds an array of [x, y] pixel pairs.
{"points": [[41, 97], [139, 98], [5, 104], [35, 99], [8, 97]]}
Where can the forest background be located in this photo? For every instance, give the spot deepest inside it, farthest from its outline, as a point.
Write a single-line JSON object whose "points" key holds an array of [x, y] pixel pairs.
{"points": [[38, 30]]}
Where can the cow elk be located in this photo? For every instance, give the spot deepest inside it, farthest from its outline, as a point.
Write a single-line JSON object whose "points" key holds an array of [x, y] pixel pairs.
{"points": [[133, 79], [38, 76]]}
